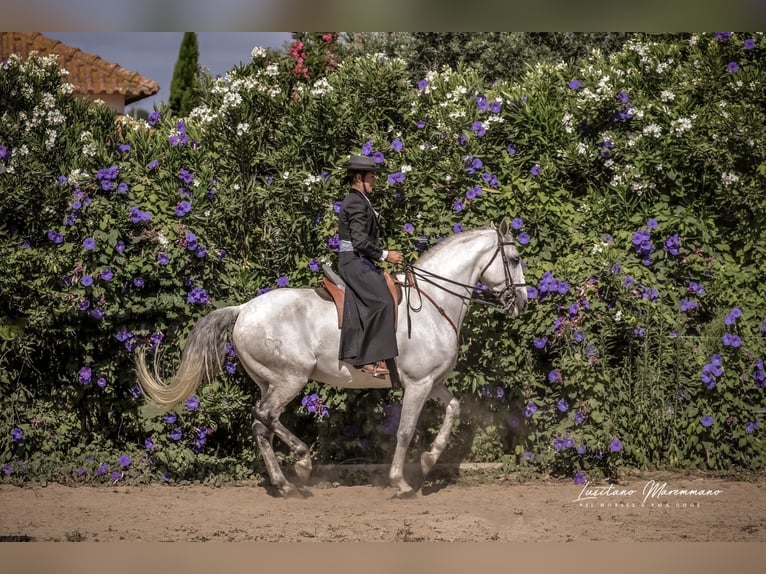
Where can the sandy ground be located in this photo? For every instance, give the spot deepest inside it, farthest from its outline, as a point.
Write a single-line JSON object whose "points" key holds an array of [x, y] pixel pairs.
{"points": [[468, 508]]}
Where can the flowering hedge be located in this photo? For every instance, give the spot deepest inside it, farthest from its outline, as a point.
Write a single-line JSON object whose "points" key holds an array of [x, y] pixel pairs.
{"points": [[634, 184]]}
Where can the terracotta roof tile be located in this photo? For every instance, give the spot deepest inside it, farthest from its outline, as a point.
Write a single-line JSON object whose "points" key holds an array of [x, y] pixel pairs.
{"points": [[88, 73]]}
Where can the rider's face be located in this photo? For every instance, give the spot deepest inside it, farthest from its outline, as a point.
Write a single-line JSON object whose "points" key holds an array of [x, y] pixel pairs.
{"points": [[368, 179]]}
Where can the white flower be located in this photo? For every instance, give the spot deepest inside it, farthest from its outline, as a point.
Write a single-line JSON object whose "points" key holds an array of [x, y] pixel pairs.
{"points": [[321, 87], [258, 52], [667, 96], [405, 168], [729, 178], [242, 128], [618, 316], [652, 130], [680, 126]]}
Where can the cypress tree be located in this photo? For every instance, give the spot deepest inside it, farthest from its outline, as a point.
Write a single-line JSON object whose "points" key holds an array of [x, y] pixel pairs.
{"points": [[183, 88]]}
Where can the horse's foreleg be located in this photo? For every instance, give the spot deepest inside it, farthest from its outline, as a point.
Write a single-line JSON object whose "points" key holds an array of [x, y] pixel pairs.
{"points": [[451, 416], [415, 396]]}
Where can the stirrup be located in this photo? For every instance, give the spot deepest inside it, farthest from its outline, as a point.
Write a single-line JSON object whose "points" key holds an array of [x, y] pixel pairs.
{"points": [[378, 370]]}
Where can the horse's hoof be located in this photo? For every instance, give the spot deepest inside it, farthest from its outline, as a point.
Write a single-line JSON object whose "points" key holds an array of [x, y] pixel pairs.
{"points": [[427, 462], [290, 491], [303, 471], [405, 493]]}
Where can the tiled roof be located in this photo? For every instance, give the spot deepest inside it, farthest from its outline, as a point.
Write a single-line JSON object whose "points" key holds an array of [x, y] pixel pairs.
{"points": [[89, 74]]}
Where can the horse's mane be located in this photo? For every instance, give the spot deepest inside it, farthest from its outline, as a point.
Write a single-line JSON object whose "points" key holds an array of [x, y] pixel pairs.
{"points": [[455, 239]]}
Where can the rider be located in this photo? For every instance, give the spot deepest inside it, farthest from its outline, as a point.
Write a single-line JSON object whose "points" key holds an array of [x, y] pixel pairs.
{"points": [[368, 335]]}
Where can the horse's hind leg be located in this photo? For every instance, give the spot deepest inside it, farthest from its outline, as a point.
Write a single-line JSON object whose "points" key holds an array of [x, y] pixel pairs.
{"points": [[451, 415], [266, 424]]}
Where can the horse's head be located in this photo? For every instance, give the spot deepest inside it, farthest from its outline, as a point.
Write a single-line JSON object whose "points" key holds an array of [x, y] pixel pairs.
{"points": [[503, 273]]}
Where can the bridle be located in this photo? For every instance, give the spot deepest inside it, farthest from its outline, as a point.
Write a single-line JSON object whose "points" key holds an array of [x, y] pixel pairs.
{"points": [[506, 298]]}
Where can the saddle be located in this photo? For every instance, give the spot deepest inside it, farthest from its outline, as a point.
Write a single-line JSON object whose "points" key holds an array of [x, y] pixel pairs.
{"points": [[334, 286]]}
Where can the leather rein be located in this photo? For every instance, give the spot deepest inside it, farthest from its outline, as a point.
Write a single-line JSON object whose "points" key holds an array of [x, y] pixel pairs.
{"points": [[412, 273]]}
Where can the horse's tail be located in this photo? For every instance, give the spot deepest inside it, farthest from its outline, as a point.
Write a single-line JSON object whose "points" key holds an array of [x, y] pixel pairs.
{"points": [[201, 359]]}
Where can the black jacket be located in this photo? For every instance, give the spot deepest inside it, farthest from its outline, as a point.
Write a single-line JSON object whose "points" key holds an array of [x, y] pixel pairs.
{"points": [[358, 224]]}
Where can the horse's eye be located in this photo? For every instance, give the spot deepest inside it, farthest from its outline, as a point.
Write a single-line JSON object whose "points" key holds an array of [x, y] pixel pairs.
{"points": [[515, 260]]}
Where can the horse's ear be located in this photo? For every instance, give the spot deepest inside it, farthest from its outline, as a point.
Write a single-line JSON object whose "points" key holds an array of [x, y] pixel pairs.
{"points": [[504, 226]]}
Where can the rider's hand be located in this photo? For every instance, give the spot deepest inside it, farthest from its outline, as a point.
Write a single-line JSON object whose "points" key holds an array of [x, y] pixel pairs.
{"points": [[395, 257]]}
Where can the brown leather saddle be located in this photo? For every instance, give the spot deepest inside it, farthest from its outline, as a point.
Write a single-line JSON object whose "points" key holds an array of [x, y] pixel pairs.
{"points": [[333, 288]]}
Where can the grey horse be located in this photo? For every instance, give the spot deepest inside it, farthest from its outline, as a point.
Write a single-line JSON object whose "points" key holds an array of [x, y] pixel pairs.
{"points": [[286, 337]]}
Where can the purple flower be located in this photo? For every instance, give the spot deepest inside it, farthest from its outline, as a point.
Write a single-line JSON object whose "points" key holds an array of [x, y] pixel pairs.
{"points": [[517, 223], [535, 170], [458, 228], [124, 461], [749, 44], [751, 426], [154, 119], [495, 106], [120, 247], [478, 128], [85, 375], [457, 205], [98, 313], [101, 470], [562, 405], [554, 376], [106, 274], [55, 236], [540, 342], [523, 238], [138, 282], [481, 103], [169, 418], [580, 477], [732, 67], [408, 227], [579, 418], [733, 315], [367, 148], [396, 177], [4, 154], [530, 409], [86, 280], [176, 434], [282, 281], [397, 145], [183, 208], [688, 305], [723, 36], [197, 296], [378, 157], [422, 84], [16, 434], [192, 403], [124, 148], [615, 445], [421, 124], [511, 149], [163, 259], [101, 382], [149, 444], [153, 164], [315, 265], [672, 244], [89, 244], [731, 340], [473, 193], [575, 85], [706, 421]]}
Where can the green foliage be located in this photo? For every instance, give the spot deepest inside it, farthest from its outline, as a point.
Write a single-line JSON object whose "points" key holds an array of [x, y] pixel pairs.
{"points": [[634, 180], [184, 85]]}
